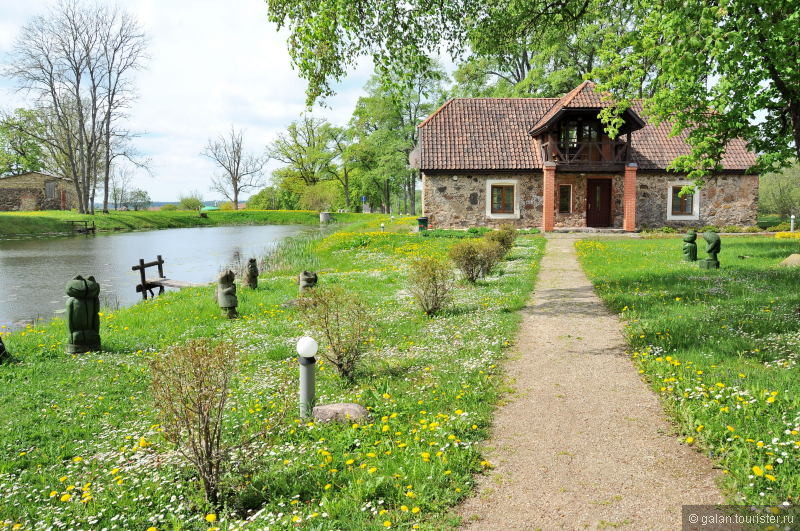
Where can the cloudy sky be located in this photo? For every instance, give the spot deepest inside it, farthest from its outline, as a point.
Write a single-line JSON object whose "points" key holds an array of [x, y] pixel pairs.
{"points": [[212, 63]]}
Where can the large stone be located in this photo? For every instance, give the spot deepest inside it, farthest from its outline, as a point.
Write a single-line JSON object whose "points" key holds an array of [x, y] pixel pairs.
{"points": [[793, 260], [343, 412]]}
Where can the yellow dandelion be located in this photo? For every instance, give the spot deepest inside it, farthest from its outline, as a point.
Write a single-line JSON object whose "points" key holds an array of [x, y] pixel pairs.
{"points": [[211, 518], [757, 471]]}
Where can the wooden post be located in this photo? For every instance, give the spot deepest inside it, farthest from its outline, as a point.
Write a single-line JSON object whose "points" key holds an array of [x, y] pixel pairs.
{"points": [[141, 275], [549, 197], [160, 266], [629, 198]]}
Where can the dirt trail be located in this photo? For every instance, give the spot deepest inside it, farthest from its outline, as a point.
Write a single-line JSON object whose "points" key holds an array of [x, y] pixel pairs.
{"points": [[583, 442]]}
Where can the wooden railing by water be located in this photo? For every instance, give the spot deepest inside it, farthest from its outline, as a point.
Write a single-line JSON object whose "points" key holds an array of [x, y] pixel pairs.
{"points": [[147, 285]]}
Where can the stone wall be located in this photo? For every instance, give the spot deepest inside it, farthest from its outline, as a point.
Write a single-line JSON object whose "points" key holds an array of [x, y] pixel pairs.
{"points": [[729, 199], [27, 192], [577, 218], [458, 201]]}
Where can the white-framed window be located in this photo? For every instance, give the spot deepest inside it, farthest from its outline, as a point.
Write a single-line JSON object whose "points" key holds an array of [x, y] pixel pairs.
{"points": [[50, 190], [686, 207], [502, 198], [564, 198]]}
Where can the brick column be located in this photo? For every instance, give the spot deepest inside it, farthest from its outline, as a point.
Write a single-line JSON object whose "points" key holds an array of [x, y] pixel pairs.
{"points": [[629, 198], [549, 197]]}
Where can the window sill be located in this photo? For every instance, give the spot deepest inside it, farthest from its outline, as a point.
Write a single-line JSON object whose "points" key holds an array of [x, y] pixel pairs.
{"points": [[510, 215]]}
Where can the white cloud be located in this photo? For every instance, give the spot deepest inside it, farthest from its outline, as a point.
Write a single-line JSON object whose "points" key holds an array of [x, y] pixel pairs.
{"points": [[212, 64]]}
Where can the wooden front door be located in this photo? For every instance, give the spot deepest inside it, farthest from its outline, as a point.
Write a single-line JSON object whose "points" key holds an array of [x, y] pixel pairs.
{"points": [[598, 202]]}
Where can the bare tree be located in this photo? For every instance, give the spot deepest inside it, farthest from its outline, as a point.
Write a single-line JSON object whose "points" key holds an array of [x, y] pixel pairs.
{"points": [[75, 61], [119, 186], [241, 171]]}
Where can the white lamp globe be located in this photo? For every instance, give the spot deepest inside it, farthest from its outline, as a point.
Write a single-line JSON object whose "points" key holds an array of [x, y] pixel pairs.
{"points": [[307, 347]]}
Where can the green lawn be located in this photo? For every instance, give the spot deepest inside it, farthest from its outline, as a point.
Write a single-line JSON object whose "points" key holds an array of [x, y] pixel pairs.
{"points": [[721, 347], [54, 221], [80, 441]]}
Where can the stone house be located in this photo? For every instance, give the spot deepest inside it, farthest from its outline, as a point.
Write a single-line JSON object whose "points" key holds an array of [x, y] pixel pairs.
{"points": [[36, 191], [547, 162]]}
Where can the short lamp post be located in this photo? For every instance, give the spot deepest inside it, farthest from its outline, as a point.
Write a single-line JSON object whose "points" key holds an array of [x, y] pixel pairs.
{"points": [[791, 224], [306, 350], [383, 227]]}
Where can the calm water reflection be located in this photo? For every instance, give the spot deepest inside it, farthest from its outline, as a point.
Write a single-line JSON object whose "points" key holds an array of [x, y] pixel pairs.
{"points": [[33, 272]]}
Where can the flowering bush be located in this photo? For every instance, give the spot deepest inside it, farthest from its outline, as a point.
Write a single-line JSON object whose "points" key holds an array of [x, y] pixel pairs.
{"points": [[787, 235]]}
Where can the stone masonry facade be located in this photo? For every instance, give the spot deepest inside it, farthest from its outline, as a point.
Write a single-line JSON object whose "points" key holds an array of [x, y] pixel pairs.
{"points": [[459, 200], [29, 192], [727, 199]]}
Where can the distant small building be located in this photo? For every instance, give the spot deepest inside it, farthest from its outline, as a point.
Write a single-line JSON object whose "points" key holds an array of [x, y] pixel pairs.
{"points": [[36, 191]]}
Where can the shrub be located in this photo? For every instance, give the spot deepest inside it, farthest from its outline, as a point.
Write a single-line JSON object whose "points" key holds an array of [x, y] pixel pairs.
{"points": [[227, 205], [709, 228], [343, 323], [754, 228], [478, 231], [505, 236], [731, 228], [449, 233], [192, 201], [533, 230], [431, 283], [780, 227], [476, 258], [190, 387], [169, 207], [787, 235]]}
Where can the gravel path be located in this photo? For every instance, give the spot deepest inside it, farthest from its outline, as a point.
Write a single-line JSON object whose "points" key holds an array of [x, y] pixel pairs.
{"points": [[583, 442]]}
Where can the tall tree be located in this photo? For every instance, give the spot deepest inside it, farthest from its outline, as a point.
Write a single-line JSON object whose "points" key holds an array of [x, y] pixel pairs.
{"points": [[241, 171], [75, 62], [305, 149], [341, 144], [20, 152], [716, 69], [385, 122], [727, 69]]}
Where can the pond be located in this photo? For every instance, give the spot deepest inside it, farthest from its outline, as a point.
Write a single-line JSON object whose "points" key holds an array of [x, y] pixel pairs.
{"points": [[33, 272]]}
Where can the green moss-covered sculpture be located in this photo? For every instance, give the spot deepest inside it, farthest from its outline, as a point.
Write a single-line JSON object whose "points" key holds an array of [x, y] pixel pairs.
{"points": [[226, 294], [690, 247], [251, 277], [83, 319], [713, 247]]}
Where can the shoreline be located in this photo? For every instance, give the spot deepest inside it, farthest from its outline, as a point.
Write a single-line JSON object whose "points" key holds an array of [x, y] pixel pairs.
{"points": [[48, 223]]}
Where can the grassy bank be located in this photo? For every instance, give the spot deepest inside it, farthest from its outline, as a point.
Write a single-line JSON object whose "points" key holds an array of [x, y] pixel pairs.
{"points": [[55, 221], [80, 442], [721, 347]]}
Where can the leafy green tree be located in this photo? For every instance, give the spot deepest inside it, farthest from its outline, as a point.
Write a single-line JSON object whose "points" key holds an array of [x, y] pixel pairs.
{"points": [[20, 152], [542, 60], [717, 70], [779, 192], [190, 201], [328, 36], [305, 150], [727, 69], [273, 198], [139, 199], [384, 129]]}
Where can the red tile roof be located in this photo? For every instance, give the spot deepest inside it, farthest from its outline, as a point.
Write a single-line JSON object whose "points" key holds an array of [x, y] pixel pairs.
{"points": [[493, 134]]}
